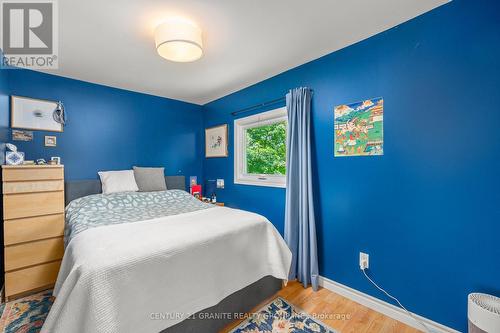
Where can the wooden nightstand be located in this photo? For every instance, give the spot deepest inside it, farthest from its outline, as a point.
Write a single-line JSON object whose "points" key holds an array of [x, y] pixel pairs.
{"points": [[215, 203]]}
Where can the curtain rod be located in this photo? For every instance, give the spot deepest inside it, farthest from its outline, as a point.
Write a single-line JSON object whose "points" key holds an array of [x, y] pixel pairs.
{"points": [[257, 106], [261, 105]]}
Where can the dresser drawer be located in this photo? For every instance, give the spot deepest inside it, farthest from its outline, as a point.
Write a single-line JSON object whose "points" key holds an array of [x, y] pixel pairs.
{"points": [[37, 252], [33, 228], [31, 278], [32, 173], [33, 186], [32, 204]]}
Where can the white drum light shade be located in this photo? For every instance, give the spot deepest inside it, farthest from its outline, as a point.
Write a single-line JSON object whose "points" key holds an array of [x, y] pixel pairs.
{"points": [[179, 41]]}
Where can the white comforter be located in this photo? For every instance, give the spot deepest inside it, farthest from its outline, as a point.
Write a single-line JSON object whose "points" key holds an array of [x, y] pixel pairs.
{"points": [[147, 276]]}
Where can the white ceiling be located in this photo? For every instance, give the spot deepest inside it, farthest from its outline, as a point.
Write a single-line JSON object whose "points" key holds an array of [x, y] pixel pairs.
{"points": [[111, 42]]}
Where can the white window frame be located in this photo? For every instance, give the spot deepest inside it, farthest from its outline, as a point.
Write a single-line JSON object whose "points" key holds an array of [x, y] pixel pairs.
{"points": [[240, 127]]}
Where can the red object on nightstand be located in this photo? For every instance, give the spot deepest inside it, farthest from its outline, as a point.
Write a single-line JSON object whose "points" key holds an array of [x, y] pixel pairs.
{"points": [[196, 191]]}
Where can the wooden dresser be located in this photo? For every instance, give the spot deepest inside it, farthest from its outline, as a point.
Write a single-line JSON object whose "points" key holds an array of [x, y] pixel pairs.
{"points": [[33, 213]]}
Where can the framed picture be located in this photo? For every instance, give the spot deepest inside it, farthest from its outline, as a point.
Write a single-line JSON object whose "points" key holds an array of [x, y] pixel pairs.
{"points": [[359, 128], [50, 141], [19, 135], [33, 114], [216, 141], [56, 159]]}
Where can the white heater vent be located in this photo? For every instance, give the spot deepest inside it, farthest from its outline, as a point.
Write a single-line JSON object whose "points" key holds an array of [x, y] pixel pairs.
{"points": [[484, 313]]}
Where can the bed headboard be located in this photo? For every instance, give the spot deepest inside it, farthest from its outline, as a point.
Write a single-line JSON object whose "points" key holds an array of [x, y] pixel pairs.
{"points": [[74, 189]]}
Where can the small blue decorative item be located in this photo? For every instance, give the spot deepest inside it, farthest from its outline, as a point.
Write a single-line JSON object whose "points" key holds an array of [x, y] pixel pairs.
{"points": [[13, 157], [210, 188]]}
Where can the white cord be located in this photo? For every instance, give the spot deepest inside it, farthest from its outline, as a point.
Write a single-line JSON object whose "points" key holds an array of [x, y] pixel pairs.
{"points": [[426, 329]]}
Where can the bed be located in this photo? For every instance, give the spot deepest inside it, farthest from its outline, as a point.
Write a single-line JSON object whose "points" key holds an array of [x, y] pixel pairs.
{"points": [[146, 261]]}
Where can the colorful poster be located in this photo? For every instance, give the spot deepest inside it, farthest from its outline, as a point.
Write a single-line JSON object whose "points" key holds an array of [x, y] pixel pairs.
{"points": [[359, 128]]}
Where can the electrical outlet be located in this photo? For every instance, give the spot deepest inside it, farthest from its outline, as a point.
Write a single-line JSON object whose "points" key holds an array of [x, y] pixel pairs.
{"points": [[364, 260]]}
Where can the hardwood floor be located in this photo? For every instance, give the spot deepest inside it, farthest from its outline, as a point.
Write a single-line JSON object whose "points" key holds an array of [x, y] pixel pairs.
{"points": [[357, 318]]}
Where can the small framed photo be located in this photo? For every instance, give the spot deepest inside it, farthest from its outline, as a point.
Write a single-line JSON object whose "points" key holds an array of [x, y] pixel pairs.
{"points": [[55, 160], [216, 141], [20, 135], [50, 141]]}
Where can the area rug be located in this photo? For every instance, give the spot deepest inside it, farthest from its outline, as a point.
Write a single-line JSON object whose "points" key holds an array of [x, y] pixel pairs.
{"points": [[25, 315], [279, 316]]}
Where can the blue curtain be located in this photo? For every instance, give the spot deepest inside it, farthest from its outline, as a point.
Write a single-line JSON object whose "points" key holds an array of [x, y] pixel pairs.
{"points": [[300, 228]]}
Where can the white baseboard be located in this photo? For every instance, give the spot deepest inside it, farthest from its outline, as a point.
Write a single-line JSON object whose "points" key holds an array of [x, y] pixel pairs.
{"points": [[385, 308]]}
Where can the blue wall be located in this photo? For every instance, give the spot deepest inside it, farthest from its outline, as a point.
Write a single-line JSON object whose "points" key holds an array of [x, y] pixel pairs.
{"points": [[428, 211], [112, 129]]}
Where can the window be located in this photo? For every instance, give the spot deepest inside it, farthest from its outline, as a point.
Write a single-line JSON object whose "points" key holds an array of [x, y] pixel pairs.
{"points": [[260, 149]]}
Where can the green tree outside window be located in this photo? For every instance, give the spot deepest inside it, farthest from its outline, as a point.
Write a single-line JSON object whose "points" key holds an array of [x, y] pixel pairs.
{"points": [[266, 149]]}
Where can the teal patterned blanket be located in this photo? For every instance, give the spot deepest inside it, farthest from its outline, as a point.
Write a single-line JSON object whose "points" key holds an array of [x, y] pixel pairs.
{"points": [[125, 207]]}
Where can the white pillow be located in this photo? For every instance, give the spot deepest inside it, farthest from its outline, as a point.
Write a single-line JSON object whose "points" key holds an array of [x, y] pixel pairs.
{"points": [[118, 181]]}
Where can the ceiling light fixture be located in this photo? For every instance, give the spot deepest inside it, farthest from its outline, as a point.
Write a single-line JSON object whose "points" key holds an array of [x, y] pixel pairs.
{"points": [[179, 40]]}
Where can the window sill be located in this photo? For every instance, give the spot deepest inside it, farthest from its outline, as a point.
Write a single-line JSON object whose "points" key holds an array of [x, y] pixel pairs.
{"points": [[259, 183]]}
